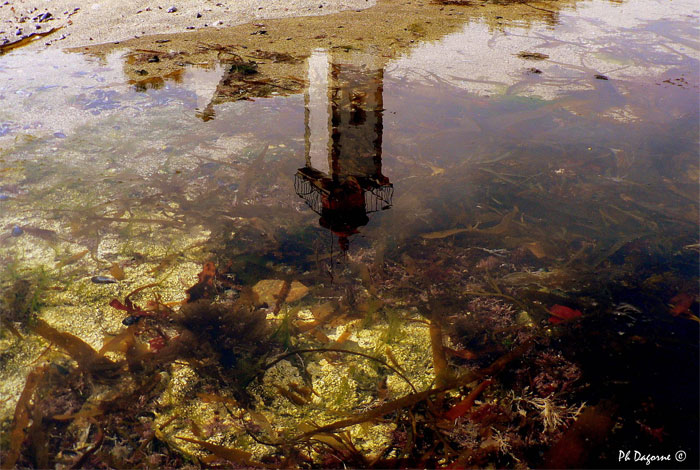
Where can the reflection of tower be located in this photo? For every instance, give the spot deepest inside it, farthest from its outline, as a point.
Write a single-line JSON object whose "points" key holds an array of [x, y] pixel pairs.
{"points": [[342, 180]]}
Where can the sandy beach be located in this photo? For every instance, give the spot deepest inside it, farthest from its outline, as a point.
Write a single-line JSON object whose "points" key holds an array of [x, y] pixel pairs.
{"points": [[78, 22]]}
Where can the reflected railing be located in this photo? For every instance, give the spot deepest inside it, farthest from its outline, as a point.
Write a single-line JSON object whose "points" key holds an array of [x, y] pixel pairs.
{"points": [[342, 179]]}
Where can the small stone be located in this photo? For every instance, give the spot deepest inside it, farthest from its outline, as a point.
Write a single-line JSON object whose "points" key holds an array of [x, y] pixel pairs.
{"points": [[172, 10], [130, 320], [268, 291], [524, 319], [296, 291], [199, 15], [59, 135], [17, 231], [600, 77], [117, 271], [153, 59]]}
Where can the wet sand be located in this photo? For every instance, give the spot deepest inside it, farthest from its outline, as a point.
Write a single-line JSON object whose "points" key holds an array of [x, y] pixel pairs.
{"points": [[79, 22]]}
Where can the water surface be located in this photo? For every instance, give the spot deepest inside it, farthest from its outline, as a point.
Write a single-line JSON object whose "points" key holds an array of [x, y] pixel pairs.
{"points": [[439, 201]]}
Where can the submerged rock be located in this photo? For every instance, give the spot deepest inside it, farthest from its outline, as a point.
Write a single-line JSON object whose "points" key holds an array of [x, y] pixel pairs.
{"points": [[268, 291]]}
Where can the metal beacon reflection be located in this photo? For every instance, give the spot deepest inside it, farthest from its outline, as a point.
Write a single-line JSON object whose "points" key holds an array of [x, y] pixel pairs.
{"points": [[342, 179]]}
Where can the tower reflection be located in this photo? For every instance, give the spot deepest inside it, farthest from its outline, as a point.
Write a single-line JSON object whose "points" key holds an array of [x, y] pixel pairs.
{"points": [[342, 179]]}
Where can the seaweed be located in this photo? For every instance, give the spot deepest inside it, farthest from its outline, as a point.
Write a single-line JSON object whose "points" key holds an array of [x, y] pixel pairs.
{"points": [[342, 351], [413, 399], [26, 40], [88, 359], [23, 298], [587, 433], [465, 405], [229, 454], [22, 416]]}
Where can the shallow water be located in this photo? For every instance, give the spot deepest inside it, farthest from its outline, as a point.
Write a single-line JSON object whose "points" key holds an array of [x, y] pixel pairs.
{"points": [[542, 163]]}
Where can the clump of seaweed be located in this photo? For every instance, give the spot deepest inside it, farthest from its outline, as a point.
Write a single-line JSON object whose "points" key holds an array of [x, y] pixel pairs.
{"points": [[21, 298], [72, 413], [235, 335], [552, 413]]}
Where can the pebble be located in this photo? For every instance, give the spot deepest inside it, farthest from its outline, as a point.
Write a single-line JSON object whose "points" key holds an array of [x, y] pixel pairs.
{"points": [[103, 280], [130, 320], [172, 10], [268, 290], [17, 231], [59, 135]]}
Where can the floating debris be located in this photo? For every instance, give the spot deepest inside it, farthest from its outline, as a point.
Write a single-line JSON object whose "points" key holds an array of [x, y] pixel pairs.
{"points": [[532, 55], [25, 40]]}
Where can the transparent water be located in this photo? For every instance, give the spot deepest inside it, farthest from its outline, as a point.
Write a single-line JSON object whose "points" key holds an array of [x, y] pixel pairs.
{"points": [[471, 182]]}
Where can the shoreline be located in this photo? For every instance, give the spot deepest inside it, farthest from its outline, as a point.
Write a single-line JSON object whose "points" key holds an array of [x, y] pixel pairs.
{"points": [[75, 23]]}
